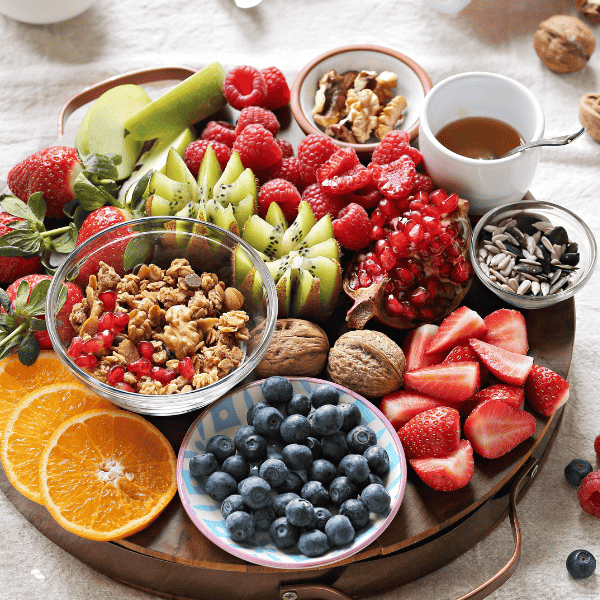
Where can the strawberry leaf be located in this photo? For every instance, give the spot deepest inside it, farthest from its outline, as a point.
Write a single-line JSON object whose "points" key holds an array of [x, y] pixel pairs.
{"points": [[22, 295], [101, 167], [37, 204], [38, 325], [63, 294], [67, 241], [136, 252], [17, 208], [90, 197], [29, 350], [27, 241], [37, 300], [8, 349], [8, 321], [5, 302]]}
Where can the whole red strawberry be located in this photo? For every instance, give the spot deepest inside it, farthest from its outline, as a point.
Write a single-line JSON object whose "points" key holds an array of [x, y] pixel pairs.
{"points": [[545, 390], [51, 171], [12, 267]]}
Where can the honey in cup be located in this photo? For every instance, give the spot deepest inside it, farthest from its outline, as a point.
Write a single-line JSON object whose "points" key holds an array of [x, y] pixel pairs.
{"points": [[479, 137]]}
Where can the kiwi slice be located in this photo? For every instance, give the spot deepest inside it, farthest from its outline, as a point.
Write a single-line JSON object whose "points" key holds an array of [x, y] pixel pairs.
{"points": [[209, 174]]}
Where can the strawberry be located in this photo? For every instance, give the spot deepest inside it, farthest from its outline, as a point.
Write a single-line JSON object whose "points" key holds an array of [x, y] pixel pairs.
{"points": [[509, 394], [546, 391], [414, 346], [456, 329], [401, 406], [433, 432], [505, 365], [451, 382], [12, 267], [465, 354], [507, 329], [588, 494], [446, 473], [494, 428], [597, 446]]}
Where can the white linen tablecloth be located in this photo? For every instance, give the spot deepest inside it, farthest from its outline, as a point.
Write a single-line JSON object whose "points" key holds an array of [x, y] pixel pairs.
{"points": [[42, 66]]}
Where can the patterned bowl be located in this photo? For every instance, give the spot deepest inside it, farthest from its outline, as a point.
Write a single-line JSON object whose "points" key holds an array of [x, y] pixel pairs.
{"points": [[228, 414]]}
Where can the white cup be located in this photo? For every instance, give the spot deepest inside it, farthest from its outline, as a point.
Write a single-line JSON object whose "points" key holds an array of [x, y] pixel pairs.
{"points": [[484, 183], [43, 12]]}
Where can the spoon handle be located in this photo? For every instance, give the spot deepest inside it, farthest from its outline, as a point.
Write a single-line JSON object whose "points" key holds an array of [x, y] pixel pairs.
{"points": [[557, 141]]}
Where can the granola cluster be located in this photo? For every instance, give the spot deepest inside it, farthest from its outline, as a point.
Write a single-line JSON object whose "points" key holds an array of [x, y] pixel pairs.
{"points": [[176, 319]]}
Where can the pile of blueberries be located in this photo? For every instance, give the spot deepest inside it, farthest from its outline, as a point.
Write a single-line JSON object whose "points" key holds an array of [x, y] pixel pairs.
{"points": [[299, 460]]}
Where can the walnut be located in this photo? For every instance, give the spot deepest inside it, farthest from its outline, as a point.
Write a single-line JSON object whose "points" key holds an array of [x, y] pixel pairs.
{"points": [[589, 9], [128, 351], [390, 116], [108, 278], [340, 132], [139, 326], [367, 362], [297, 348], [564, 43], [362, 108], [384, 84], [589, 114], [180, 335], [330, 99], [365, 80]]}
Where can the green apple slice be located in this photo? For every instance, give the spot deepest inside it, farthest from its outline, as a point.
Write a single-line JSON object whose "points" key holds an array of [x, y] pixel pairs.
{"points": [[81, 137]]}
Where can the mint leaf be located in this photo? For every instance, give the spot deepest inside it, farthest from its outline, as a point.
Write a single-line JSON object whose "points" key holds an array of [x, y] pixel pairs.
{"points": [[136, 252], [29, 350], [37, 300], [17, 208], [63, 294], [37, 204], [80, 216], [22, 295]]}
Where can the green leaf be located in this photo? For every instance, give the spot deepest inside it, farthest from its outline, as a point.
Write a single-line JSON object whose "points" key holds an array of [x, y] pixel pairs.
{"points": [[37, 301], [70, 207], [22, 295], [13, 251], [140, 189], [5, 302], [80, 216], [100, 166], [8, 350], [17, 208], [19, 225], [50, 268], [29, 350], [116, 202], [8, 321], [63, 294], [136, 252], [38, 325], [37, 204], [66, 242], [27, 240]]}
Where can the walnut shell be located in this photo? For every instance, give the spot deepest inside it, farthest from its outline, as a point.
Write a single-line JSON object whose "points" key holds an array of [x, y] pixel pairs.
{"points": [[298, 348], [367, 362], [564, 43], [589, 114]]}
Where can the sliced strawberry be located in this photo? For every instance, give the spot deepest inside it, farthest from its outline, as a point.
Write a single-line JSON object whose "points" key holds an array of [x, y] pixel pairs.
{"points": [[505, 365], [433, 432], [465, 354], [451, 382], [401, 406], [456, 329], [512, 395], [446, 473], [546, 391], [507, 329], [495, 428], [415, 344]]}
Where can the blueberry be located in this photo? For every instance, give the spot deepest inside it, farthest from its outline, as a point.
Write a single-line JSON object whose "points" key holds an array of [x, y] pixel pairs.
{"points": [[376, 498], [239, 525], [255, 491], [315, 492], [277, 390], [322, 470], [202, 465], [219, 485], [360, 438], [254, 471], [295, 429], [323, 394], [351, 414], [232, 504], [372, 478], [283, 533], [297, 457], [355, 467], [378, 459], [274, 452], [293, 483], [326, 419], [282, 501], [254, 448], [267, 421], [322, 515], [575, 471], [339, 530], [315, 447], [273, 471], [236, 466], [341, 489], [242, 434], [221, 446], [298, 405], [263, 517], [334, 446], [253, 410], [299, 512], [313, 543], [356, 511], [581, 564]]}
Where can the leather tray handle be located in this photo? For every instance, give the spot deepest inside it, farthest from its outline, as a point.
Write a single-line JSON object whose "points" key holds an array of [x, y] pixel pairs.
{"points": [[139, 77], [310, 591]]}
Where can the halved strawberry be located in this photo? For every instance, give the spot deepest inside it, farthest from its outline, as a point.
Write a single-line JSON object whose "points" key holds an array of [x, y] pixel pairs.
{"points": [[401, 406], [433, 432], [495, 428], [451, 382], [415, 344], [446, 473], [465, 354], [507, 366], [546, 391], [458, 327], [512, 395], [507, 329]]}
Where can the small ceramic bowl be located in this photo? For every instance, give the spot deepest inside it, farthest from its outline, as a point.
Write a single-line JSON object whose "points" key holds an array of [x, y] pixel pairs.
{"points": [[486, 184], [42, 12], [413, 83], [485, 236], [225, 417]]}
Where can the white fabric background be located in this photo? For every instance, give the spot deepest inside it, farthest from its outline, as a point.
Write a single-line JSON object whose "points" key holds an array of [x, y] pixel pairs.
{"points": [[42, 66]]}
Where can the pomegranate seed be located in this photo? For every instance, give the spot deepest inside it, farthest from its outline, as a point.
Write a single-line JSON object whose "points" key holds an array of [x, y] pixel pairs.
{"points": [[409, 311], [121, 321], [140, 367], [364, 279], [75, 347], [416, 205], [125, 387], [432, 211], [414, 232], [388, 260], [398, 239], [86, 361], [186, 368], [415, 215], [450, 204], [432, 224], [381, 246], [115, 374], [164, 376], [146, 349], [461, 272], [426, 314], [372, 267], [109, 299], [422, 196], [107, 338], [378, 218], [388, 208], [393, 307], [419, 297], [437, 197], [106, 322], [377, 232], [93, 345]]}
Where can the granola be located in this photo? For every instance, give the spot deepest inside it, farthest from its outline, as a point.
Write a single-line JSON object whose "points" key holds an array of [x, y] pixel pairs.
{"points": [[158, 331]]}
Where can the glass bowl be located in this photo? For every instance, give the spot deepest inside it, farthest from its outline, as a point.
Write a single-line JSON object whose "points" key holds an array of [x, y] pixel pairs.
{"points": [[558, 216], [160, 240]]}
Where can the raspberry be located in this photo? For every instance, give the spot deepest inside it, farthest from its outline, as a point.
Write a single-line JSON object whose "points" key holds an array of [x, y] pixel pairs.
{"points": [[284, 193], [195, 151], [257, 148], [255, 114], [288, 169], [278, 91], [393, 145], [342, 172], [352, 227], [394, 180], [313, 151], [219, 131], [323, 203], [422, 183], [244, 86], [287, 149], [588, 494], [368, 196]]}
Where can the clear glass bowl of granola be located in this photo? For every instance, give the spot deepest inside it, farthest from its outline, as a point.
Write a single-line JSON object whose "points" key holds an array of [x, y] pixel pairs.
{"points": [[162, 329]]}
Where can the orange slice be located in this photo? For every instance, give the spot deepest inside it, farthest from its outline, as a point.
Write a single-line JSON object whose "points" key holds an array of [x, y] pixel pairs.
{"points": [[30, 424], [107, 474]]}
